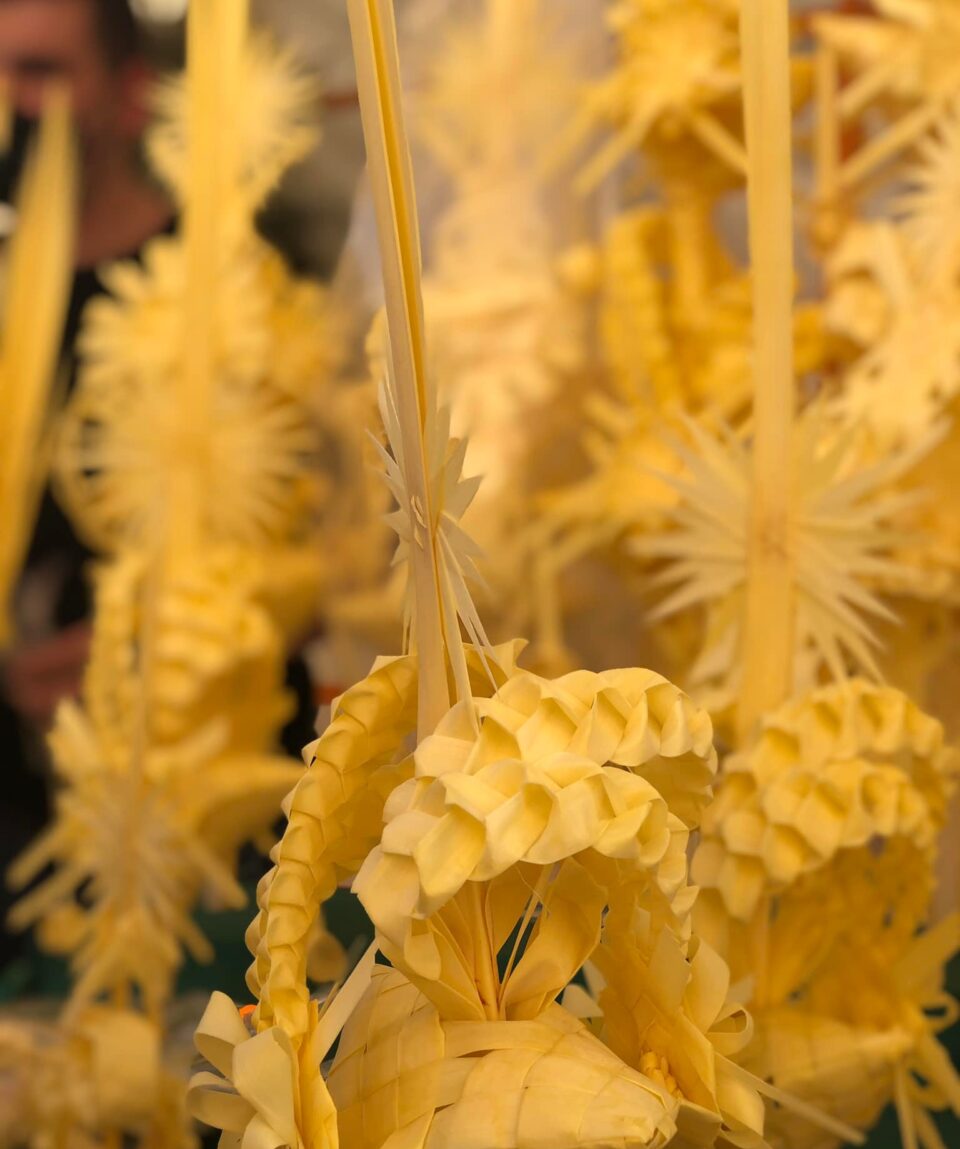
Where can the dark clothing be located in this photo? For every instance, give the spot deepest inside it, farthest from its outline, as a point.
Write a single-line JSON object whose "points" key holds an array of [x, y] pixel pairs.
{"points": [[25, 804], [54, 540]]}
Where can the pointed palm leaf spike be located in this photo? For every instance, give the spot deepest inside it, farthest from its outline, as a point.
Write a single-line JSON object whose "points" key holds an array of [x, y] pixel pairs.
{"points": [[41, 251], [418, 439], [768, 631]]}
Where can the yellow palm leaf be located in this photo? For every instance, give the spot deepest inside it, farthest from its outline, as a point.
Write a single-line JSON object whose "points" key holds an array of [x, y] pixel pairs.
{"points": [[41, 252]]}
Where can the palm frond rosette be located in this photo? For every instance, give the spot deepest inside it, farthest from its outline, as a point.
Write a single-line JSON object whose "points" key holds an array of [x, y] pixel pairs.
{"points": [[837, 803], [830, 771]]}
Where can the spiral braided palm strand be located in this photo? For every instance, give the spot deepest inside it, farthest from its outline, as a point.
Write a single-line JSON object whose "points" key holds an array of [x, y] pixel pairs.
{"points": [[334, 817]]}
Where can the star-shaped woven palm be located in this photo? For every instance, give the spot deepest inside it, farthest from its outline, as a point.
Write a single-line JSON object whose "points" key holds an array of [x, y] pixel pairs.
{"points": [[843, 531]]}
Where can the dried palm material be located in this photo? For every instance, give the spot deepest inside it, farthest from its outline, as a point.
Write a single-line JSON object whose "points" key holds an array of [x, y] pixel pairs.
{"points": [[276, 451], [69, 1085], [660, 997], [558, 775], [665, 1010], [893, 302], [838, 802], [268, 1092], [337, 803], [217, 652], [837, 795], [168, 763], [677, 76], [882, 81], [843, 1068], [895, 315], [672, 305], [335, 817], [191, 456], [269, 439], [507, 337], [847, 1009], [526, 52], [485, 812], [903, 323], [829, 771], [843, 537], [134, 854], [401, 1068], [623, 496], [41, 249], [933, 180], [675, 330], [653, 352], [272, 126], [896, 300]]}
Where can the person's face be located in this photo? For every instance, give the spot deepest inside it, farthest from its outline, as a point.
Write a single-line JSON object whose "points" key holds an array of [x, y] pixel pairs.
{"points": [[44, 40]]}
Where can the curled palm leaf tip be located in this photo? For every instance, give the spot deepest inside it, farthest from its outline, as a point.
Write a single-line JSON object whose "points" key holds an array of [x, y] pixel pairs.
{"points": [[263, 1090]]}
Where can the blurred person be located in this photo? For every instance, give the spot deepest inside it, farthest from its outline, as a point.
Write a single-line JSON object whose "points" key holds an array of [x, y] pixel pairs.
{"points": [[94, 47]]}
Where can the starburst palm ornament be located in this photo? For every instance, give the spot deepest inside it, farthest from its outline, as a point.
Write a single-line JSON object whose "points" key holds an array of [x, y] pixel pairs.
{"points": [[839, 788], [795, 522], [839, 538], [671, 293]]}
